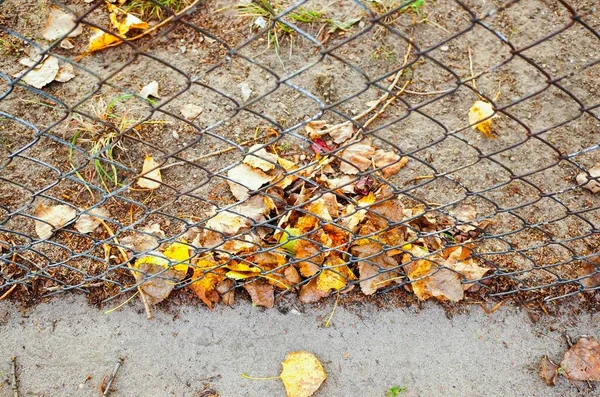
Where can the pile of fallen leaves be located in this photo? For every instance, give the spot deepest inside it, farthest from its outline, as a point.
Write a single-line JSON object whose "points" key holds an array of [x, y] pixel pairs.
{"points": [[320, 225]]}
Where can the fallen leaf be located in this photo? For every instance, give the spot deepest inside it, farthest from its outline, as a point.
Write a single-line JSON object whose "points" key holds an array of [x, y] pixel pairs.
{"points": [[375, 272], [59, 25], [207, 275], [42, 74], [582, 361], [121, 21], [479, 111], [593, 185], [101, 39], [260, 158], [52, 218], [335, 275], [261, 292], [548, 371], [246, 91], [150, 89], [157, 282], [151, 178], [590, 274], [302, 374], [145, 239], [190, 111], [225, 289], [87, 223], [244, 179], [65, 73], [66, 44], [389, 162], [227, 223], [339, 132], [356, 158], [179, 254]]}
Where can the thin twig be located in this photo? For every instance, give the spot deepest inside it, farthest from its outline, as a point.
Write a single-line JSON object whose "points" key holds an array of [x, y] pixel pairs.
{"points": [[131, 269], [217, 153], [15, 381], [113, 376], [7, 293]]}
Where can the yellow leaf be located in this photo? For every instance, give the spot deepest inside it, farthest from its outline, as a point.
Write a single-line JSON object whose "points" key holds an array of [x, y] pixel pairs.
{"points": [[206, 282], [335, 279], [101, 40], [242, 267], [179, 253], [302, 374], [235, 275], [287, 244], [479, 111]]}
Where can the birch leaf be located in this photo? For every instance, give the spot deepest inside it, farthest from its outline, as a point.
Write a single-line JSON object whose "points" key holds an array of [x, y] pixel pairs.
{"points": [[302, 374], [52, 218], [59, 24], [244, 179], [151, 178], [87, 223], [41, 75]]}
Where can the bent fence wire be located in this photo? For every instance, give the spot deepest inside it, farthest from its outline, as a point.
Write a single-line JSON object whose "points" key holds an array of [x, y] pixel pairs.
{"points": [[432, 149]]}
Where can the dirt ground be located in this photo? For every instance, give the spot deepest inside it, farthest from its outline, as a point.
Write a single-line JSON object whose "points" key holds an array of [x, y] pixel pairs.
{"points": [[66, 348], [523, 180]]}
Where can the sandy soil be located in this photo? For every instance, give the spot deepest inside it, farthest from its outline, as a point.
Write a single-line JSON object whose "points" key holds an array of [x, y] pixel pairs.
{"points": [[65, 348], [541, 219]]}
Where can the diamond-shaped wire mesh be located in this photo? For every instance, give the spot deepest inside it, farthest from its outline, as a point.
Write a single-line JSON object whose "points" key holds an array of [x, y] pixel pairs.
{"points": [[306, 147]]}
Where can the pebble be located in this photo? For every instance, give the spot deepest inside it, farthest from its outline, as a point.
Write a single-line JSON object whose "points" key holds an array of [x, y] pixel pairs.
{"points": [[444, 48], [175, 135]]}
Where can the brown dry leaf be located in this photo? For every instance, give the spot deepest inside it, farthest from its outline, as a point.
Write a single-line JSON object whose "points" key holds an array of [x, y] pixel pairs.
{"points": [[87, 223], [309, 293], [590, 184], [65, 73], [357, 157], [338, 132], [244, 179], [582, 361], [548, 371], [260, 158], [375, 273], [305, 249], [52, 218], [151, 177], [302, 374], [225, 289], [227, 223], [160, 282], [479, 111], [59, 24], [207, 276], [150, 90], [42, 74], [261, 292], [591, 275], [146, 239], [394, 162]]}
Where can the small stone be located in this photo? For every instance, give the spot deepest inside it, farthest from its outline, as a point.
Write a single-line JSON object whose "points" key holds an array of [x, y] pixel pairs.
{"points": [[175, 135], [246, 91], [444, 48]]}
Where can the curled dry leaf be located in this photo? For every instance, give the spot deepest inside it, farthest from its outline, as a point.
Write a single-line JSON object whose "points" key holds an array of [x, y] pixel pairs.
{"points": [[158, 282], [122, 22], [590, 273], [207, 276], [151, 177], [225, 289], [244, 179], [261, 292], [60, 24], [482, 111], [101, 39], [548, 371], [390, 162], [42, 74], [582, 361], [65, 73], [302, 374], [339, 132], [52, 218], [150, 89], [227, 223], [87, 223], [593, 185], [260, 158], [356, 158]]}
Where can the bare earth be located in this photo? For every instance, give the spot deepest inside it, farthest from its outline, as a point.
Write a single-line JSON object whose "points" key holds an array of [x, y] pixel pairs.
{"points": [[364, 351]]}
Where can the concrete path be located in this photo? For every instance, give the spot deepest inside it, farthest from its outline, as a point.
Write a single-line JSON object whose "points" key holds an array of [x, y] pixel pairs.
{"points": [[365, 351]]}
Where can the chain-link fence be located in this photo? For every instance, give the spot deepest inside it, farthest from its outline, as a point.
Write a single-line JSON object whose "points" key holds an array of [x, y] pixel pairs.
{"points": [[429, 149]]}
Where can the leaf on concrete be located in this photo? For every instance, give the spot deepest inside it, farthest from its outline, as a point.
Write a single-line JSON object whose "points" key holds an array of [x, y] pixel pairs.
{"points": [[59, 25], [261, 292], [480, 117], [390, 162], [302, 374], [150, 90], [585, 179], [356, 157], [582, 361], [87, 223], [548, 371], [150, 177], [52, 218], [244, 179]]}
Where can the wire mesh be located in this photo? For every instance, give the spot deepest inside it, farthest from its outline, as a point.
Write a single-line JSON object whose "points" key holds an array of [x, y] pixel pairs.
{"points": [[306, 147]]}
